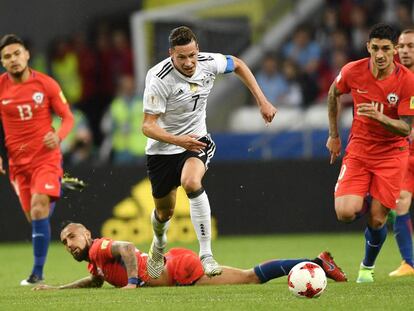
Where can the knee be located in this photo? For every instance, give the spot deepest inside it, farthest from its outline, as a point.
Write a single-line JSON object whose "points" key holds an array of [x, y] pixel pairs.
{"points": [[190, 184], [344, 215], [39, 207], [164, 215], [377, 222], [39, 211], [251, 277]]}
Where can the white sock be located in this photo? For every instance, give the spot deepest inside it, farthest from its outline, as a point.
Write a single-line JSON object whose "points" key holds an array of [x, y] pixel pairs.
{"points": [[201, 219], [160, 230]]}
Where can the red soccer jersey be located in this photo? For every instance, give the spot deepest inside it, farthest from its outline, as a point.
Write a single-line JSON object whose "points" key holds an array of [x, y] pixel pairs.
{"points": [[411, 148], [25, 112], [394, 96], [102, 263]]}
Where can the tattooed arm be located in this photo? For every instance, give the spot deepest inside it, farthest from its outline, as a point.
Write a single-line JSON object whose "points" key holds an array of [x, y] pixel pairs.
{"points": [[127, 252], [87, 282], [333, 143], [401, 126]]}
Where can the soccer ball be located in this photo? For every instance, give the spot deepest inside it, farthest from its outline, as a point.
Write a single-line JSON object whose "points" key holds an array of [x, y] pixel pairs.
{"points": [[307, 279]]}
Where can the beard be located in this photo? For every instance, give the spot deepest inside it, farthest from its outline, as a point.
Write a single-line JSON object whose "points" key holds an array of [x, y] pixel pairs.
{"points": [[18, 73], [407, 62], [82, 255]]}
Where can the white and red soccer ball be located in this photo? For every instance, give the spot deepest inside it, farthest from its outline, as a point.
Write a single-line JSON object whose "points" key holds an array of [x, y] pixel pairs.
{"points": [[307, 279]]}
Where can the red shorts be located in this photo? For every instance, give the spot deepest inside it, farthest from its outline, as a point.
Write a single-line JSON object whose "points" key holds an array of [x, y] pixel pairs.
{"points": [[40, 178], [381, 178], [408, 181], [183, 266]]}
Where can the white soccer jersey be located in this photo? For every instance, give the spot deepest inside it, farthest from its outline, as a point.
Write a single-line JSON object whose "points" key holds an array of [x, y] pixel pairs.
{"points": [[179, 100]]}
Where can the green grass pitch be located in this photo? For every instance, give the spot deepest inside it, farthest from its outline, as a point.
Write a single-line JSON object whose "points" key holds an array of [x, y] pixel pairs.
{"points": [[244, 252]]}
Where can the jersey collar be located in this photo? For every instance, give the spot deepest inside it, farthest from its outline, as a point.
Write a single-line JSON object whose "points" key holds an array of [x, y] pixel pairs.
{"points": [[194, 78], [31, 76], [394, 72]]}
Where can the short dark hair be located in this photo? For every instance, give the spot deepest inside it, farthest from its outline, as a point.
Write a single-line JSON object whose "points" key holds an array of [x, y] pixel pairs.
{"points": [[383, 31], [181, 36], [10, 39]]}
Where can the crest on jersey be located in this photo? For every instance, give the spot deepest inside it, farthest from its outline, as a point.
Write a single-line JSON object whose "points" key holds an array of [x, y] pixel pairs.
{"points": [[207, 81], [38, 98], [104, 244], [412, 102], [154, 101], [392, 99], [193, 87]]}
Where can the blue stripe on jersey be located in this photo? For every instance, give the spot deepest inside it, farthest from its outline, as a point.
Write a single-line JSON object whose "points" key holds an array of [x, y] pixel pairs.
{"points": [[230, 64]]}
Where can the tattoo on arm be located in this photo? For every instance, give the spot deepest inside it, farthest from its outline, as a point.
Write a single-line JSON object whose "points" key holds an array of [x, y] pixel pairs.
{"points": [[408, 120], [333, 96], [401, 126], [127, 252], [88, 282]]}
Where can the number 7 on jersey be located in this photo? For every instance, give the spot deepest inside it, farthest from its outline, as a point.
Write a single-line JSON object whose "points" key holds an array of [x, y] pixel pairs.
{"points": [[196, 97]]}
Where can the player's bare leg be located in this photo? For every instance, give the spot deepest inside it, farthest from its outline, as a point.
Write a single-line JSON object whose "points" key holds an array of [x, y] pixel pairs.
{"points": [[347, 207], [273, 269], [230, 276], [160, 220], [191, 176], [39, 215]]}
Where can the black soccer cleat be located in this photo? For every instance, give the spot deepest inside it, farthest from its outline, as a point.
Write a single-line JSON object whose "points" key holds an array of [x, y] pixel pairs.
{"points": [[33, 279], [72, 183]]}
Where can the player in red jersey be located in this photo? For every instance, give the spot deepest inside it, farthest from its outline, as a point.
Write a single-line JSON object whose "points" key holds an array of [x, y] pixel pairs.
{"points": [[122, 265], [27, 100], [403, 227], [377, 151]]}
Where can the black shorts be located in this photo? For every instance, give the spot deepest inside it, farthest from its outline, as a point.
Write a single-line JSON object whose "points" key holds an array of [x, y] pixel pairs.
{"points": [[164, 170]]}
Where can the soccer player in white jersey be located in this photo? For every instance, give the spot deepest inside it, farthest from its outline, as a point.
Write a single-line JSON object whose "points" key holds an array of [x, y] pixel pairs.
{"points": [[179, 147]]}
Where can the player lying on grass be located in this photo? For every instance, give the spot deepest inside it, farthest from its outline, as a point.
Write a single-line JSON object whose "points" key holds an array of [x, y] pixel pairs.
{"points": [[122, 265]]}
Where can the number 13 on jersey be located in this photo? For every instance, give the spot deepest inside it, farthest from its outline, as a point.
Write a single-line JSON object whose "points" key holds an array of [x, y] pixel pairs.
{"points": [[25, 112]]}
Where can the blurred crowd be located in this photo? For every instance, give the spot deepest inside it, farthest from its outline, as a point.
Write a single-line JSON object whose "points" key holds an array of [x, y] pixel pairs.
{"points": [[301, 72], [96, 74]]}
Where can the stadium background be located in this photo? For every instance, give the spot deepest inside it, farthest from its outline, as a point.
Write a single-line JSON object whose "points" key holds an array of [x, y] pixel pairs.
{"points": [[263, 180]]}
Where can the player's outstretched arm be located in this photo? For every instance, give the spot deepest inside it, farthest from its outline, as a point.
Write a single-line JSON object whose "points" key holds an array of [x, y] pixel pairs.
{"points": [[88, 282], [333, 144], [151, 129], [267, 110]]}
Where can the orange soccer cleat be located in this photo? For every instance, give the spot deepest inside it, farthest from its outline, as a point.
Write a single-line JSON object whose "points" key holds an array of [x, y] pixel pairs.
{"points": [[403, 270]]}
